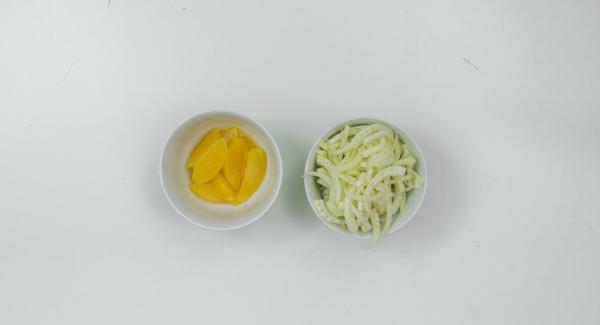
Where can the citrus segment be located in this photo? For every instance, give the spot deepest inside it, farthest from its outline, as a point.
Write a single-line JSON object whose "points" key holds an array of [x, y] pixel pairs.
{"points": [[231, 133], [234, 164], [254, 173], [222, 189], [205, 192], [209, 163], [212, 136]]}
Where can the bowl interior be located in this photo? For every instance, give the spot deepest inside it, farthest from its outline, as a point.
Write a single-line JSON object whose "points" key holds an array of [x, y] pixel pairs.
{"points": [[176, 177], [413, 199]]}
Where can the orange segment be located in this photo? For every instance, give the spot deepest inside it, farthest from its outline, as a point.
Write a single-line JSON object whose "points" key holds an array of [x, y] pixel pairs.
{"points": [[209, 163], [250, 141], [254, 173], [234, 164], [212, 136], [205, 191], [231, 133], [222, 189]]}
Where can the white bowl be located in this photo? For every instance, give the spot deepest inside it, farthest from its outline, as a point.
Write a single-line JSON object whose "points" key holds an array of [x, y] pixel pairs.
{"points": [[414, 198], [175, 177]]}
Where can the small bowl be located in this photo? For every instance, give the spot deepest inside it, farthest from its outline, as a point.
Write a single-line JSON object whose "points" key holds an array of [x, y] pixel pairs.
{"points": [[413, 200], [175, 177]]}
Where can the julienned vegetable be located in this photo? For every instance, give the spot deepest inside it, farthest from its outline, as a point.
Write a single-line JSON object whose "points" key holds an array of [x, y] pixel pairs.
{"points": [[365, 173]]}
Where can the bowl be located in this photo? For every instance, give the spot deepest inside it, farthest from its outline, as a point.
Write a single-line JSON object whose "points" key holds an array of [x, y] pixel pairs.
{"points": [[175, 177], [413, 200]]}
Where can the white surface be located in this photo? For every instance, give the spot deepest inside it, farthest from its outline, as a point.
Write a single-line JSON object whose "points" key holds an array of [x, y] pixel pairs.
{"points": [[509, 233]]}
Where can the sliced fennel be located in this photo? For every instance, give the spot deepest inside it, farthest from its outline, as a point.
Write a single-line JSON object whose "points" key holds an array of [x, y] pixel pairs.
{"points": [[365, 173]]}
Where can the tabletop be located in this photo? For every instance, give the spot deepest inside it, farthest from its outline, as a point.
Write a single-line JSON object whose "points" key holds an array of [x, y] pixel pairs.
{"points": [[502, 97]]}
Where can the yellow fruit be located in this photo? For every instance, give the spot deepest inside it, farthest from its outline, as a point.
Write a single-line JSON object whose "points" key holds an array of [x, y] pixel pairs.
{"points": [[212, 136], [234, 164], [231, 133], [217, 190], [222, 189], [224, 168], [250, 141], [205, 191], [254, 173], [210, 163]]}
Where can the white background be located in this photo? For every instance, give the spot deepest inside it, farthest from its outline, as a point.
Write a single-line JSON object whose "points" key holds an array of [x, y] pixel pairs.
{"points": [[509, 231]]}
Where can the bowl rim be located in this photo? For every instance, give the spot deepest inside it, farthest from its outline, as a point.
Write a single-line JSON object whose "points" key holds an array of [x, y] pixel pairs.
{"points": [[278, 180], [398, 224]]}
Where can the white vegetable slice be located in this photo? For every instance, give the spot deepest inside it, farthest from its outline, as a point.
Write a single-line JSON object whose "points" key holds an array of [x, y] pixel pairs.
{"points": [[418, 182], [357, 128], [336, 210], [403, 201], [405, 151], [322, 182], [335, 138], [378, 135], [320, 204], [369, 198], [358, 138], [348, 179], [397, 200], [361, 180], [369, 174], [409, 161], [380, 160], [389, 171], [339, 168], [363, 220], [350, 219], [375, 148], [335, 190], [388, 217], [320, 173]]}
